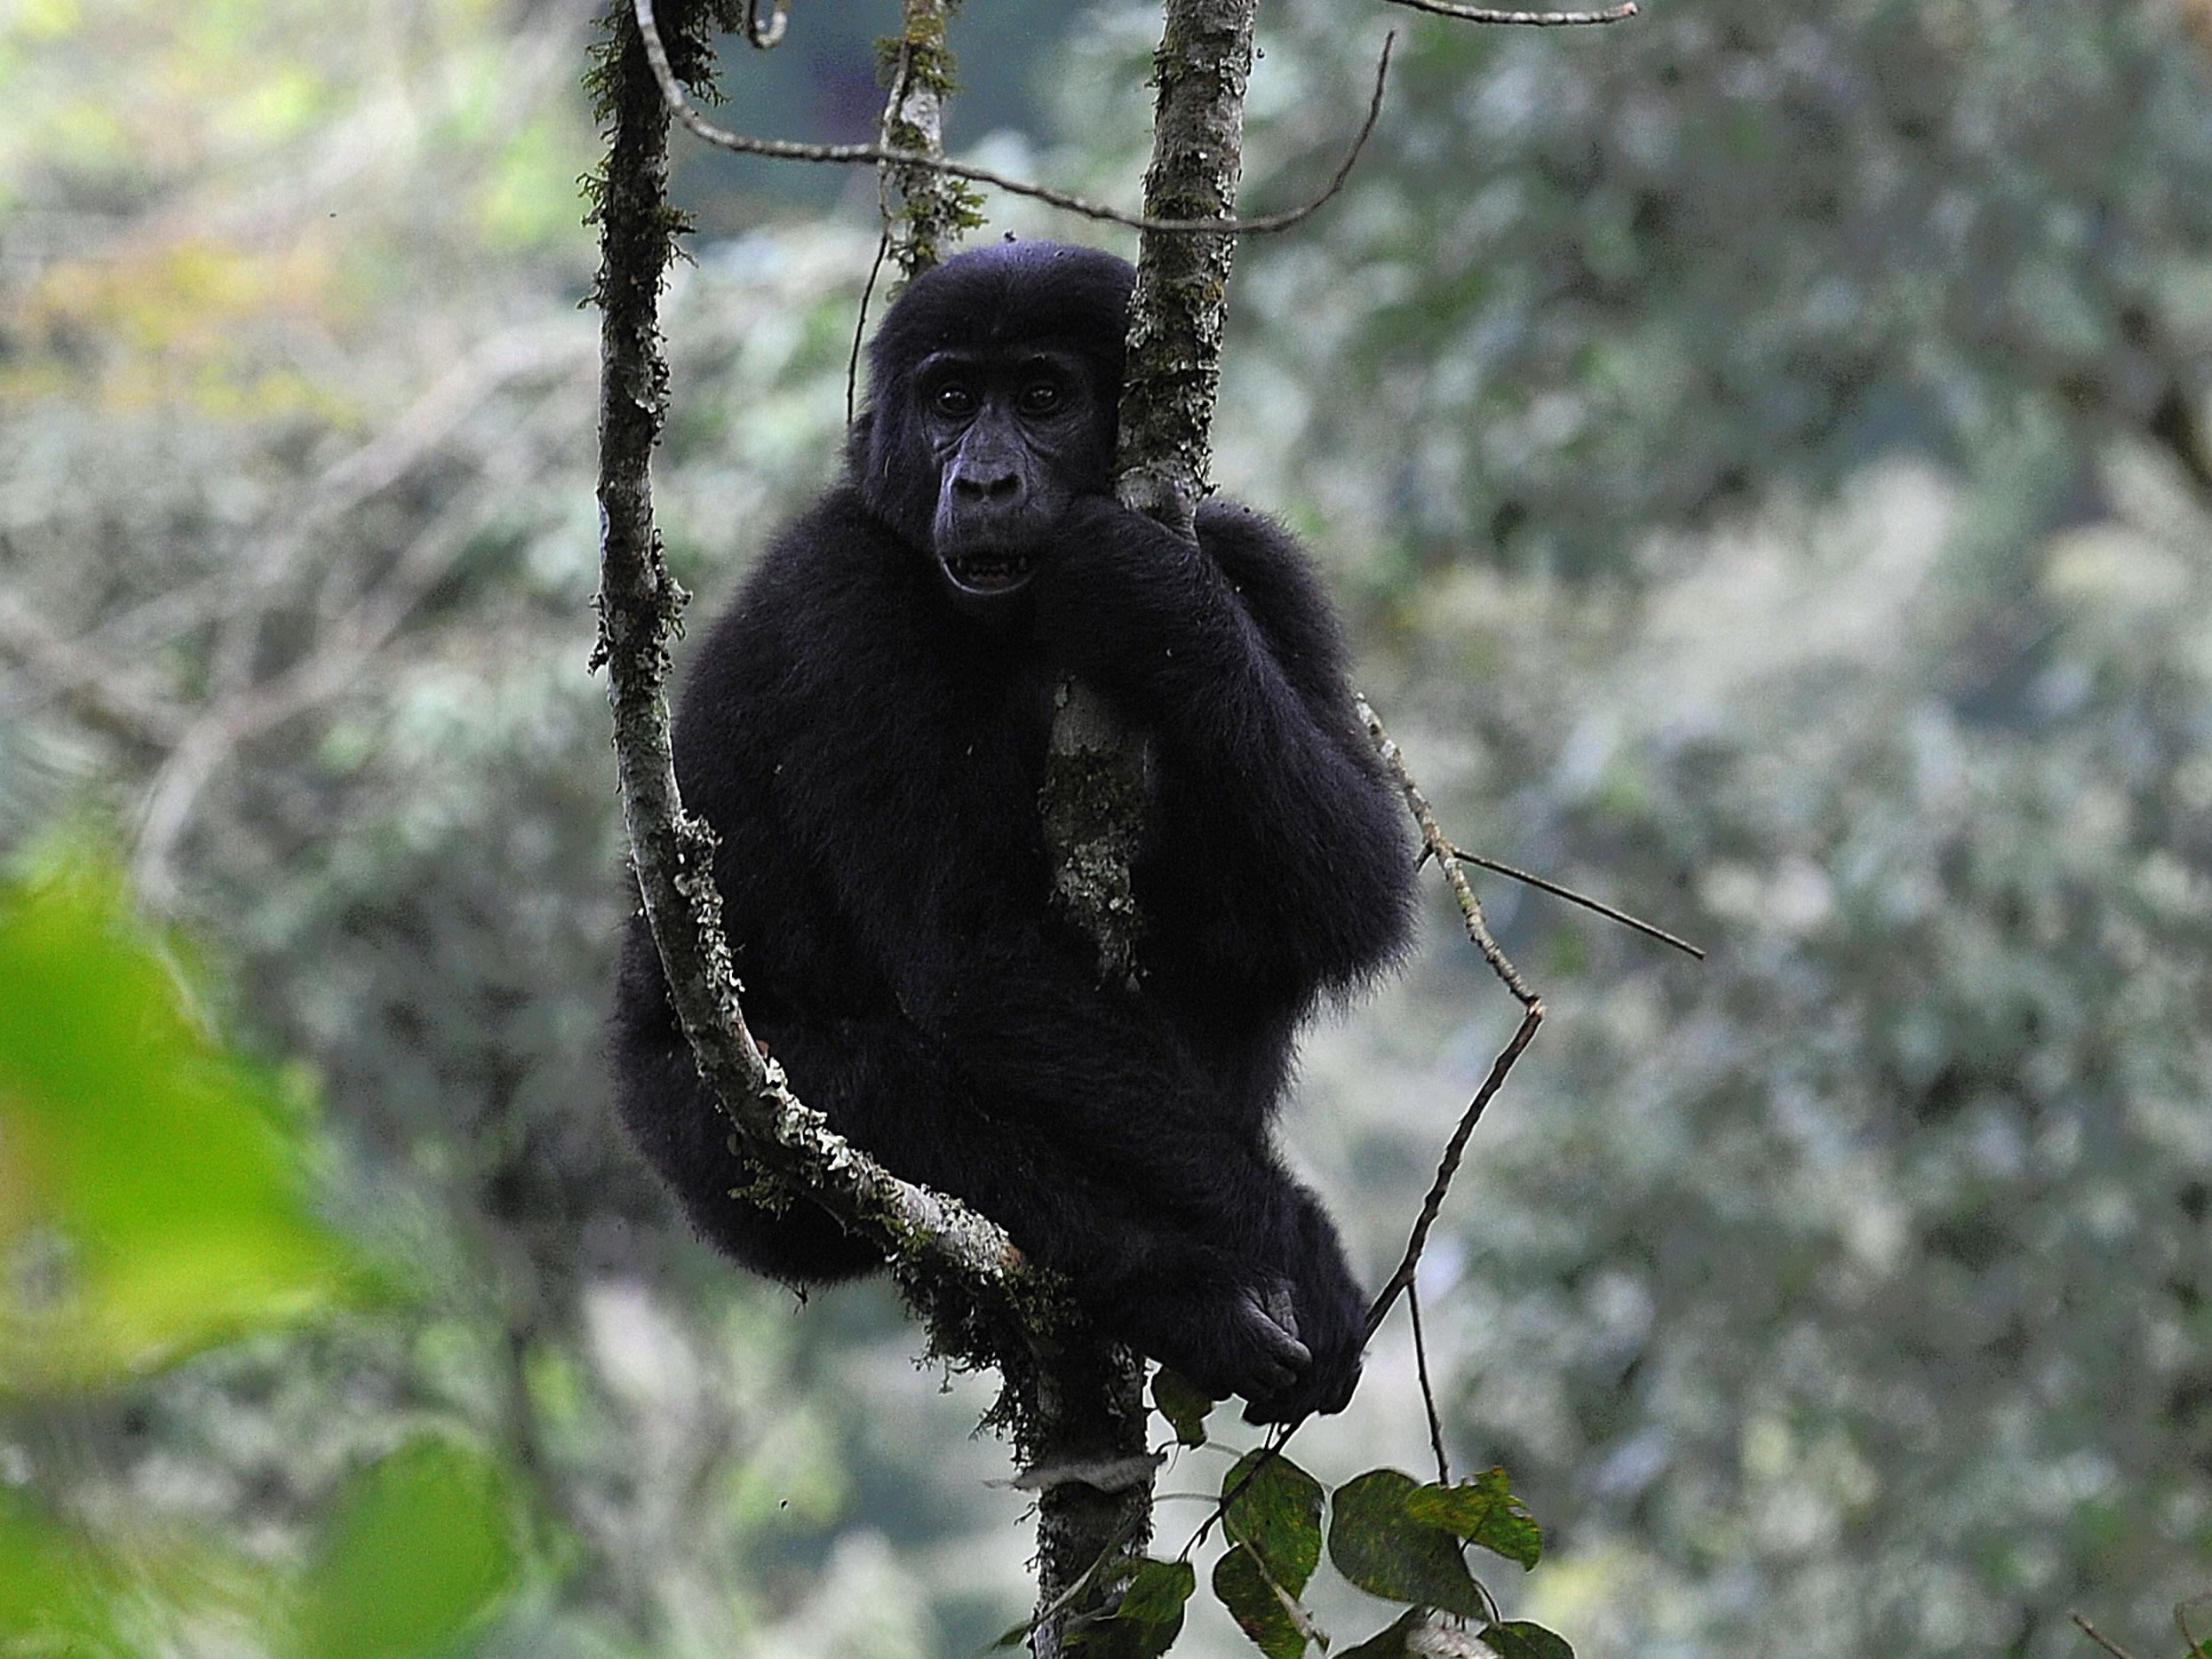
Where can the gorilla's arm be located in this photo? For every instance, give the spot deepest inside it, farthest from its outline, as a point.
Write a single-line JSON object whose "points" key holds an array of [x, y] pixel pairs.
{"points": [[1278, 842]]}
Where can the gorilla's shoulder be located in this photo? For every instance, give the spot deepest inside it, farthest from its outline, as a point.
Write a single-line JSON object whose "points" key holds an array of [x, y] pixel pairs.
{"points": [[838, 540], [1276, 577], [1250, 547]]}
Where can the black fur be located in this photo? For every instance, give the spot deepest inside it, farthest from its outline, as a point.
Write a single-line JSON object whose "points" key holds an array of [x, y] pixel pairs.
{"points": [[870, 748]]}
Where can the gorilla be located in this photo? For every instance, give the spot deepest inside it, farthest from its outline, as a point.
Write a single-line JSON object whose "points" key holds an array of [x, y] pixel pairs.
{"points": [[866, 730]]}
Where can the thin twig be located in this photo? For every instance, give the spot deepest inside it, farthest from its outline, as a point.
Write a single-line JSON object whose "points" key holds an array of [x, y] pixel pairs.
{"points": [[1447, 856], [767, 37], [2100, 1638], [1434, 845], [1527, 20], [1448, 1165], [875, 155], [860, 321], [2181, 1623], [1583, 899], [1427, 1392], [883, 241]]}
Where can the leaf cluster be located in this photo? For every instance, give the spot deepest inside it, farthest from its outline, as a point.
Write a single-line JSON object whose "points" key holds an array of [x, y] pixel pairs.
{"points": [[1396, 1538]]}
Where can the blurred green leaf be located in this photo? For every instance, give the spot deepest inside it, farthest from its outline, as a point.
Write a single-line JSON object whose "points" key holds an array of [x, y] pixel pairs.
{"points": [[1389, 1642], [1276, 1512], [152, 1197], [423, 1550], [1378, 1545], [1263, 1610], [56, 1593], [1183, 1403], [1522, 1639], [1148, 1618], [1482, 1509]]}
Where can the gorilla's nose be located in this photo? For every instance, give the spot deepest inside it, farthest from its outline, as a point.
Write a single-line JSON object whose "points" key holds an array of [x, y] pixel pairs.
{"points": [[995, 487]]}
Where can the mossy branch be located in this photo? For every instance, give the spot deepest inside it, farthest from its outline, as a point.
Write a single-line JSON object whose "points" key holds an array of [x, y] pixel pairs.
{"points": [[960, 1270]]}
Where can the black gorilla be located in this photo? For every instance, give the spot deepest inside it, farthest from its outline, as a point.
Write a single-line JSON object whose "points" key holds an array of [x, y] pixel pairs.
{"points": [[866, 730]]}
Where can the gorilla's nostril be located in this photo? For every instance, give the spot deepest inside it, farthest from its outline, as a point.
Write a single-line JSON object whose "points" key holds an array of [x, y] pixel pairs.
{"points": [[996, 489]]}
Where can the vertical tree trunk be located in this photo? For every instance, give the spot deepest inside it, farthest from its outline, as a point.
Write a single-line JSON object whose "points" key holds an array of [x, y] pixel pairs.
{"points": [[1093, 803]]}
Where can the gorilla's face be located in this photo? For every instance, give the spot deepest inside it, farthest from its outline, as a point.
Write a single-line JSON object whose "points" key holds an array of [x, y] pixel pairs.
{"points": [[1012, 435], [994, 381]]}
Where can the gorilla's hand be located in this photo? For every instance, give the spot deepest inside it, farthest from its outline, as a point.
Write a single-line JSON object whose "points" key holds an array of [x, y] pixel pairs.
{"points": [[1330, 1312], [1226, 1339]]}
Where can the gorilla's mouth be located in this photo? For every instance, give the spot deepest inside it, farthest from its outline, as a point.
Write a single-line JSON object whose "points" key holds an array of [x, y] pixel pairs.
{"points": [[990, 571]]}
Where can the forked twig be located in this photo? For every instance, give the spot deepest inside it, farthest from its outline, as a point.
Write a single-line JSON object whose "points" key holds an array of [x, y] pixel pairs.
{"points": [[874, 154], [1543, 884], [1448, 860]]}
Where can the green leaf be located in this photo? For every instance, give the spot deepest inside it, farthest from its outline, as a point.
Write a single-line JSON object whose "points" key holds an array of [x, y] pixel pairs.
{"points": [[153, 1194], [1183, 1403], [1521, 1640], [424, 1548], [1389, 1643], [57, 1594], [1148, 1618], [1278, 1514], [1263, 1610], [1384, 1549], [1482, 1509]]}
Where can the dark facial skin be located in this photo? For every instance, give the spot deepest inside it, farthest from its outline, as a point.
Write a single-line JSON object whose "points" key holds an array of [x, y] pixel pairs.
{"points": [[1015, 436]]}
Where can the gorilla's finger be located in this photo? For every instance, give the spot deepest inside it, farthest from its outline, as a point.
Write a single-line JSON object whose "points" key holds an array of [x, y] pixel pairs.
{"points": [[1279, 1306]]}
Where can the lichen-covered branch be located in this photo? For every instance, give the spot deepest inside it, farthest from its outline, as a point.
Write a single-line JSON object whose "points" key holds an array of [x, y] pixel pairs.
{"points": [[1619, 13], [1093, 801], [959, 1266], [932, 208]]}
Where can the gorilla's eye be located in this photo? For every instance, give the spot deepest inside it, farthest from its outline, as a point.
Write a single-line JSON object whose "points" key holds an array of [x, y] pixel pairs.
{"points": [[1041, 398], [952, 398]]}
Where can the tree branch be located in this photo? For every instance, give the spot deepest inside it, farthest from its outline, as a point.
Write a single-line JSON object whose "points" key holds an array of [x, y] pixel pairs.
{"points": [[1619, 13], [1434, 845], [960, 1269], [875, 155]]}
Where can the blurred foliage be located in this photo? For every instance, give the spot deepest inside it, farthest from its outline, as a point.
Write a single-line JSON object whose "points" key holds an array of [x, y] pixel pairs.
{"points": [[149, 1201], [1763, 453], [153, 1201]]}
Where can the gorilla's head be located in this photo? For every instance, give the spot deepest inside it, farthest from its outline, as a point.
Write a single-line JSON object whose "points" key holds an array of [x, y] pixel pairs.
{"points": [[992, 387]]}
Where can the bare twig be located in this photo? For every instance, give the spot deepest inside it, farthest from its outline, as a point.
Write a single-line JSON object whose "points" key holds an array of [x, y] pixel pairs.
{"points": [[766, 37], [2181, 1623], [336, 661], [1619, 13], [1434, 845], [878, 154], [1448, 1165], [1428, 1391], [2100, 1638], [1606, 910], [860, 321]]}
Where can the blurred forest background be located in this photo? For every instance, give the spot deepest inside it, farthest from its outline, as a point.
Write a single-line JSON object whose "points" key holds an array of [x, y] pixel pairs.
{"points": [[1761, 451]]}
